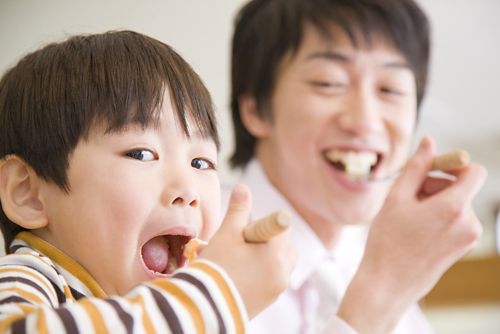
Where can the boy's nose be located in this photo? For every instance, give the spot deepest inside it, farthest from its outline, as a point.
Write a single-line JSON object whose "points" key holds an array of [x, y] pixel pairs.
{"points": [[181, 192], [186, 199]]}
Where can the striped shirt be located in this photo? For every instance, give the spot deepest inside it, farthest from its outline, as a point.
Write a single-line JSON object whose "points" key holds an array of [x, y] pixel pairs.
{"points": [[42, 290]]}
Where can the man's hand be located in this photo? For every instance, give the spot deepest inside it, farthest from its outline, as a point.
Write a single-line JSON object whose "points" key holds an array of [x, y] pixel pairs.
{"points": [[424, 227]]}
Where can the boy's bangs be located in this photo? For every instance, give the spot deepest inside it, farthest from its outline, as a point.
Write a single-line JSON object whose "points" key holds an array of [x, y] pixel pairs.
{"points": [[140, 82]]}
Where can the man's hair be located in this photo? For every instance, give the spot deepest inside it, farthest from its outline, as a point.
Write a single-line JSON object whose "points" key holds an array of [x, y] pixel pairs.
{"points": [[54, 96], [268, 30]]}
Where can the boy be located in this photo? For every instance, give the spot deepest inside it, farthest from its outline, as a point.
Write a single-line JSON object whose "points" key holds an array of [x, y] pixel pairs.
{"points": [[325, 98], [108, 168]]}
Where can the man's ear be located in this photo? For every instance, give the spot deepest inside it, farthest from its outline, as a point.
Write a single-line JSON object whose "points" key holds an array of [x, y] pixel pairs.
{"points": [[19, 193], [258, 126]]}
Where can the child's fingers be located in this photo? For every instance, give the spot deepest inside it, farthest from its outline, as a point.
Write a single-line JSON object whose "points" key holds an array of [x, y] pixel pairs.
{"points": [[238, 211]]}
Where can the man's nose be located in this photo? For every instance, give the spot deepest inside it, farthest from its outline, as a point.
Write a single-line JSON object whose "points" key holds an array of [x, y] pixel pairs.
{"points": [[361, 113]]}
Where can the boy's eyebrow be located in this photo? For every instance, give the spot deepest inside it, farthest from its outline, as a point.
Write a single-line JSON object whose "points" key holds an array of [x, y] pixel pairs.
{"points": [[343, 58]]}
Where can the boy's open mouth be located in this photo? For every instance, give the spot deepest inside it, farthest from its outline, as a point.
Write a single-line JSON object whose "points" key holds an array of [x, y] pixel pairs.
{"points": [[164, 254]]}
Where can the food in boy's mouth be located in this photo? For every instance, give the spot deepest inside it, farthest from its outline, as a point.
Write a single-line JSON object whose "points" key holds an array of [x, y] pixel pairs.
{"points": [[356, 165], [164, 254], [192, 248]]}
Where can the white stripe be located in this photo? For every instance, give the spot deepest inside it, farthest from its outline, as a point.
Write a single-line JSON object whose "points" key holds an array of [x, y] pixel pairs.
{"points": [[82, 319], [207, 312], [20, 271], [157, 318]]}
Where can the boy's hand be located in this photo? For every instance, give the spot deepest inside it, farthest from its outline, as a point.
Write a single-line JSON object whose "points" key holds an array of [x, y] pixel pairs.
{"points": [[424, 227], [260, 271]]}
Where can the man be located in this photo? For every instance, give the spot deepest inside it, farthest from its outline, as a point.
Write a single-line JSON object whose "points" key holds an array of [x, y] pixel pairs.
{"points": [[325, 98]]}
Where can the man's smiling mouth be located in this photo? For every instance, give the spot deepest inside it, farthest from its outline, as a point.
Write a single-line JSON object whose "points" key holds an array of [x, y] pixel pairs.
{"points": [[164, 253], [356, 165]]}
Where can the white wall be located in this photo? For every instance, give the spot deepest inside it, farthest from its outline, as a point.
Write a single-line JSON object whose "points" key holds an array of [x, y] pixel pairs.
{"points": [[462, 108]]}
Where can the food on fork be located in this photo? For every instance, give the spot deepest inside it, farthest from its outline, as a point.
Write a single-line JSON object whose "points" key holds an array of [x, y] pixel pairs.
{"points": [[357, 165], [450, 161]]}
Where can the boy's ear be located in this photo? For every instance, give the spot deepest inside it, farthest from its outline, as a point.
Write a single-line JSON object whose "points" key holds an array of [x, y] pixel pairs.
{"points": [[19, 193], [258, 126]]}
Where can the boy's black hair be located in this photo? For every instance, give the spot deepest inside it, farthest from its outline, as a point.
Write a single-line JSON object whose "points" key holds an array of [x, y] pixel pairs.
{"points": [[52, 98], [268, 30]]}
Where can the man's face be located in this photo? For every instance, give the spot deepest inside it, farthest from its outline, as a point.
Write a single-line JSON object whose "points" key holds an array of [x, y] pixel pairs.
{"points": [[136, 196], [332, 99]]}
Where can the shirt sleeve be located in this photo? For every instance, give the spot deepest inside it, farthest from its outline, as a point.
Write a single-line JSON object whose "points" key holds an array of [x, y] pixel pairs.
{"points": [[198, 299]]}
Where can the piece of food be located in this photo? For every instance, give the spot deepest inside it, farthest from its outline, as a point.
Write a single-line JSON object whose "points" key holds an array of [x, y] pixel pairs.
{"points": [[191, 249], [265, 228], [259, 231], [357, 165], [450, 161]]}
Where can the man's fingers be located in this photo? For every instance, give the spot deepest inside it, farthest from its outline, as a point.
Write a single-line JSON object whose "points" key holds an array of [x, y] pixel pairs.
{"points": [[415, 171], [468, 182]]}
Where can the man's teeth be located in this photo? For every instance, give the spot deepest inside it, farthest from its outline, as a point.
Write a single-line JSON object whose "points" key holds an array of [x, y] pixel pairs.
{"points": [[357, 165]]}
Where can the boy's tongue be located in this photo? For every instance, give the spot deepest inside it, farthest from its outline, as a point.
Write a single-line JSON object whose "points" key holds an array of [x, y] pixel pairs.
{"points": [[155, 254]]}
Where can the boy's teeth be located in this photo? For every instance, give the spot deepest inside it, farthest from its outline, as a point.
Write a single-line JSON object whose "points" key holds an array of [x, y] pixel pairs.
{"points": [[357, 165]]}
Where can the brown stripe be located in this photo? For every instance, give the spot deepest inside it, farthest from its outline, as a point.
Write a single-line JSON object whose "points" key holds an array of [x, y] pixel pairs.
{"points": [[167, 311], [126, 318], [68, 321], [198, 284], [19, 327]]}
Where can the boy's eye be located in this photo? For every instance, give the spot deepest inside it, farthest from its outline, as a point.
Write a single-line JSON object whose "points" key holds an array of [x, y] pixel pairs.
{"points": [[142, 154], [200, 163]]}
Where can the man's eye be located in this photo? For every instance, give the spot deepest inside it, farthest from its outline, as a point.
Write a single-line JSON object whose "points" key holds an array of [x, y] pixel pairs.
{"points": [[328, 87], [142, 154], [391, 91], [200, 163]]}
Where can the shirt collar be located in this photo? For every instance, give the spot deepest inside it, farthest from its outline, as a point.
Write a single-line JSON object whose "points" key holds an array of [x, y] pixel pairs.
{"points": [[266, 199], [76, 276]]}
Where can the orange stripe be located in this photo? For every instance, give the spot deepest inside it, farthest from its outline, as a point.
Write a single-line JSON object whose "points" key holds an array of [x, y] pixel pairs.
{"points": [[226, 292], [26, 295], [95, 316], [41, 324], [185, 300], [6, 322], [148, 325], [29, 273]]}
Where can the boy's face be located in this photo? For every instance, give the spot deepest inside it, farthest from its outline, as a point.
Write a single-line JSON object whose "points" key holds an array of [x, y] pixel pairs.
{"points": [[135, 198], [332, 98]]}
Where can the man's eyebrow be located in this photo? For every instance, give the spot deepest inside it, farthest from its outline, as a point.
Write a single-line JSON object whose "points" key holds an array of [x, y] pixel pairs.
{"points": [[343, 58], [329, 55]]}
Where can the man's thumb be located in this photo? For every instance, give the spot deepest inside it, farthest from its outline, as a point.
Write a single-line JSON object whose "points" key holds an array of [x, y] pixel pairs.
{"points": [[416, 169]]}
